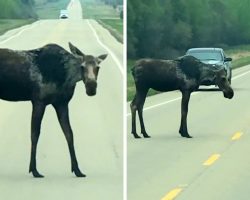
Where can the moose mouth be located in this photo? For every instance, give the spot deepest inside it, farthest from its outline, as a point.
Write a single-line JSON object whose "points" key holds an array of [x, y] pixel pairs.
{"points": [[229, 94], [91, 92], [91, 87]]}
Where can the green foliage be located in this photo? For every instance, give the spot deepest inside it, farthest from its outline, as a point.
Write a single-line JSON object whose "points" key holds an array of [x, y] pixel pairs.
{"points": [[116, 24], [98, 10], [17, 9], [167, 28], [50, 9]]}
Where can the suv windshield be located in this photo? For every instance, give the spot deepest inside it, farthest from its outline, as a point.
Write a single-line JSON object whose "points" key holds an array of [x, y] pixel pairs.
{"points": [[206, 55]]}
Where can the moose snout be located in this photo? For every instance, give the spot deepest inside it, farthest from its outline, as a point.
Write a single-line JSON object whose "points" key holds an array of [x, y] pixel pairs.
{"points": [[229, 94], [91, 86]]}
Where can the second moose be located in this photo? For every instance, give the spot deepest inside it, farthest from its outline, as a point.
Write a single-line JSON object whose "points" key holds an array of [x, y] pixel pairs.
{"points": [[184, 74]]}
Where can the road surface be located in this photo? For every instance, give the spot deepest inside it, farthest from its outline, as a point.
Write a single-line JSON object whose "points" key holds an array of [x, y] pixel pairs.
{"points": [[96, 121], [214, 165]]}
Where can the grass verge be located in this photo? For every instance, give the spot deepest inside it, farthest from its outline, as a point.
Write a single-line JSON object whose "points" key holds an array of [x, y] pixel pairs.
{"points": [[241, 62], [98, 10], [116, 24], [106, 15], [115, 27], [8, 24]]}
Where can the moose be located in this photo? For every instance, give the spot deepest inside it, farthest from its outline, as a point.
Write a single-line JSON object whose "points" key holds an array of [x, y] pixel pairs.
{"points": [[185, 74], [48, 76]]}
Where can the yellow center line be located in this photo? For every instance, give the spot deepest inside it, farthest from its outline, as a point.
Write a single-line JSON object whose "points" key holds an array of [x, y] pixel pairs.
{"points": [[57, 33], [211, 159], [237, 136], [172, 194]]}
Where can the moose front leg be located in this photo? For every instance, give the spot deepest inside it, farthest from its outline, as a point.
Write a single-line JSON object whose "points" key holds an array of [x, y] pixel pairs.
{"points": [[37, 115], [63, 117], [184, 111]]}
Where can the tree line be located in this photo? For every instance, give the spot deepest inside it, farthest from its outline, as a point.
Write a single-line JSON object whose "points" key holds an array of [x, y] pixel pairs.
{"points": [[167, 28]]}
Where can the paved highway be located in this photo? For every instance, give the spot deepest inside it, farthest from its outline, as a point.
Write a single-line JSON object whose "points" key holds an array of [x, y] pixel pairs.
{"points": [[96, 121], [214, 165]]}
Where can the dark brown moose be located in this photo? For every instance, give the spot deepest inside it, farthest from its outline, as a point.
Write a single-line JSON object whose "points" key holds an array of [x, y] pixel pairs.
{"points": [[184, 74], [44, 76]]}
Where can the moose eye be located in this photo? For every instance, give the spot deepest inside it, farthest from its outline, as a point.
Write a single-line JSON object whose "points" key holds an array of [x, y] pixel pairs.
{"points": [[83, 68], [223, 79], [97, 69]]}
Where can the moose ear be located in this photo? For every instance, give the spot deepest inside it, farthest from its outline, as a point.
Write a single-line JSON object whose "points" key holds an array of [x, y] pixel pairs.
{"points": [[102, 58], [75, 50]]}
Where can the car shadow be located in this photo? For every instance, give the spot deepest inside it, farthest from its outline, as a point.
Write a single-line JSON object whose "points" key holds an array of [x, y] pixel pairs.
{"points": [[208, 89]]}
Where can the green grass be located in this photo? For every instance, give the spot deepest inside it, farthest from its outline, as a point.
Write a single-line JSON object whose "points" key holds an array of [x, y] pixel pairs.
{"points": [[130, 81], [240, 61], [237, 49], [98, 10], [7, 24], [115, 27], [51, 10], [15, 9], [116, 24]]}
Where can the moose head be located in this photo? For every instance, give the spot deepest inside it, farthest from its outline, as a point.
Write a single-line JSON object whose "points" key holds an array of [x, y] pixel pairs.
{"points": [[90, 66]]}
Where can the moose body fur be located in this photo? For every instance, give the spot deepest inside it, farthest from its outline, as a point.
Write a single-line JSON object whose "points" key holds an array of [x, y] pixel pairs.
{"points": [[184, 74], [44, 76]]}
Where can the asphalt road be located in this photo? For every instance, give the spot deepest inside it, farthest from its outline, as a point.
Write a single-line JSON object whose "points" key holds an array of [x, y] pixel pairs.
{"points": [[213, 165], [96, 121]]}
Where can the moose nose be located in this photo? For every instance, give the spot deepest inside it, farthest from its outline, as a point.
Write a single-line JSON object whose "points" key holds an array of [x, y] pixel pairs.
{"points": [[229, 94], [91, 86]]}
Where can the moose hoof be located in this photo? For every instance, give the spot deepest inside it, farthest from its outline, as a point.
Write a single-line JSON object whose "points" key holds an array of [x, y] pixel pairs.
{"points": [[136, 135], [78, 173], [186, 135], [36, 174], [145, 135]]}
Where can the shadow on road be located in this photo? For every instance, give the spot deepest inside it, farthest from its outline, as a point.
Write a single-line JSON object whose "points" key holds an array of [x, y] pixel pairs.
{"points": [[208, 90]]}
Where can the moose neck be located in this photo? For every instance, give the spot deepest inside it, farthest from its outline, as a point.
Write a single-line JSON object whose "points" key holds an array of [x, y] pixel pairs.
{"points": [[206, 73], [74, 74]]}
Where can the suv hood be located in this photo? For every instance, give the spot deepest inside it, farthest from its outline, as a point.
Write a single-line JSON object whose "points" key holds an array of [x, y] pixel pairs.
{"points": [[212, 62]]}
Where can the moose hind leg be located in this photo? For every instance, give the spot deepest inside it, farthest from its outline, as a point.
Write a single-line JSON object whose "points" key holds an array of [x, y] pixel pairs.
{"points": [[141, 97], [133, 108], [63, 118], [37, 115], [184, 111]]}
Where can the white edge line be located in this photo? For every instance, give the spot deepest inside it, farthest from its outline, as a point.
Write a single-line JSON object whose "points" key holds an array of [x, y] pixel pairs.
{"points": [[179, 98], [20, 32], [107, 49]]}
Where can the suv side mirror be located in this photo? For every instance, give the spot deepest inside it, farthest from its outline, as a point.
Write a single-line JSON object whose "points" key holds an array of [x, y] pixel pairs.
{"points": [[228, 59]]}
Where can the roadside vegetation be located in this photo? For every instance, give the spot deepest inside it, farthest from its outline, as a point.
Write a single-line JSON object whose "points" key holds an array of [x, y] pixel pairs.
{"points": [[50, 9], [17, 9], [16, 13], [7, 24], [107, 13], [167, 28]]}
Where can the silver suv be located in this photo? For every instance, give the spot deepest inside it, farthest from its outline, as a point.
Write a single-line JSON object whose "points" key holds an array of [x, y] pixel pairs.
{"points": [[214, 56]]}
